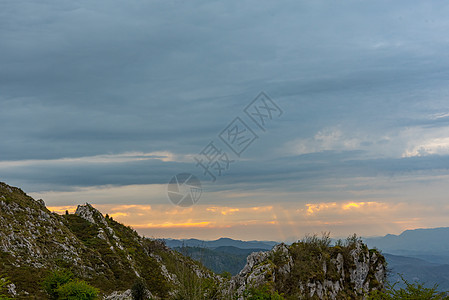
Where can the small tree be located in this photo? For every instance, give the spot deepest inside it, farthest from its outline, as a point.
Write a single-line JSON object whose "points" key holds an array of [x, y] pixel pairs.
{"points": [[226, 275], [54, 280], [77, 290], [414, 291], [60, 285], [261, 293], [138, 290]]}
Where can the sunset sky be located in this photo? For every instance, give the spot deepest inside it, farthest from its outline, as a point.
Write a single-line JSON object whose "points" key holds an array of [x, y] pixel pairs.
{"points": [[105, 101]]}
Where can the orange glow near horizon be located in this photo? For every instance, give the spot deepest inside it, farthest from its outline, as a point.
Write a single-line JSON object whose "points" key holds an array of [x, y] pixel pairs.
{"points": [[61, 209], [173, 225], [285, 221]]}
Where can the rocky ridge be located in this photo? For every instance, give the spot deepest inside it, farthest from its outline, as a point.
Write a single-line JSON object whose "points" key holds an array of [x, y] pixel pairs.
{"points": [[312, 269]]}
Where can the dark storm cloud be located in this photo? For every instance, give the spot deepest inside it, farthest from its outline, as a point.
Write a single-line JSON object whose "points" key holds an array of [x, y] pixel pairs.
{"points": [[64, 176]]}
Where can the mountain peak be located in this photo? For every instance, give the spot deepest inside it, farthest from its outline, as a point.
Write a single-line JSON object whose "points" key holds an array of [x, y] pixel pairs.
{"points": [[18, 198], [90, 214]]}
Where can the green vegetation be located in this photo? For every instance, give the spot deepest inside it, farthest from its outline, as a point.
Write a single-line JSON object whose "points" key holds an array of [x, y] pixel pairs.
{"points": [[315, 260], [77, 290], [13, 194], [219, 260], [309, 256], [226, 275], [262, 293], [60, 285], [118, 271], [25, 278], [192, 286], [54, 281], [138, 290], [412, 291], [3, 283]]}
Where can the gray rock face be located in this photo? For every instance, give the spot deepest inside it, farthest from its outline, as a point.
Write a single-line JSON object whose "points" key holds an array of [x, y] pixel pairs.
{"points": [[12, 289], [23, 229], [90, 214], [126, 295], [362, 267], [352, 271]]}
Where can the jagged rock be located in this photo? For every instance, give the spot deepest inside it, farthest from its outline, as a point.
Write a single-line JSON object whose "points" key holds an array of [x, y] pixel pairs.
{"points": [[89, 213], [41, 202], [362, 271], [126, 295], [12, 289]]}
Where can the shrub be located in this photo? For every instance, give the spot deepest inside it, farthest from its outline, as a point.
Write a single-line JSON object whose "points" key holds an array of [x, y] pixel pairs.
{"points": [[226, 275], [191, 286], [3, 283], [138, 290], [54, 280], [319, 243], [77, 290], [262, 293], [415, 291], [60, 285]]}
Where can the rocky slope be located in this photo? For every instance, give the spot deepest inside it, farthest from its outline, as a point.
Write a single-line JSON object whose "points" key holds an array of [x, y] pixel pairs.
{"points": [[97, 249]]}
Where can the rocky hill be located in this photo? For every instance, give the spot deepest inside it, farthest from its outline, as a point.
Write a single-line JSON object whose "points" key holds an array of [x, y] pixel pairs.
{"points": [[112, 257], [97, 249], [312, 269]]}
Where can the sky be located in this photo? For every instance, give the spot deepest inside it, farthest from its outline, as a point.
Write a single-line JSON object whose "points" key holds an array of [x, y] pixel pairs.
{"points": [[105, 101]]}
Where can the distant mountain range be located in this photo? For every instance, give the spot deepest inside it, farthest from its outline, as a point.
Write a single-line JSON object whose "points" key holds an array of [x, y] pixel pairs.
{"points": [[415, 269], [222, 255], [265, 245], [430, 244], [418, 255]]}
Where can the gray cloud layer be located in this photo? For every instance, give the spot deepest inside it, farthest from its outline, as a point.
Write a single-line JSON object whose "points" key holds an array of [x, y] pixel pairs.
{"points": [[361, 83]]}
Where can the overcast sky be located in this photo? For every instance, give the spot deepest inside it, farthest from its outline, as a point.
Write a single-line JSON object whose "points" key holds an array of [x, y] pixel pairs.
{"points": [[104, 101]]}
